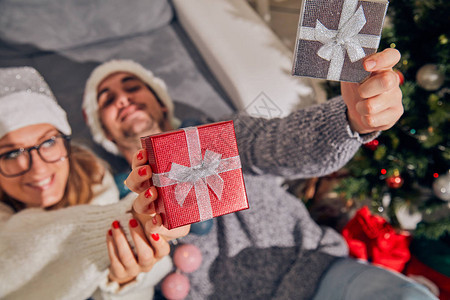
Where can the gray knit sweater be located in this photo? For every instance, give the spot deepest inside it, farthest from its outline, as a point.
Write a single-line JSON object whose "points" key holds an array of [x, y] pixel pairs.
{"points": [[274, 250]]}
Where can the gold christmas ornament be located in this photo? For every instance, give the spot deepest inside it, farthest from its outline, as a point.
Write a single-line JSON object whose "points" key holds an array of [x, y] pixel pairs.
{"points": [[429, 77]]}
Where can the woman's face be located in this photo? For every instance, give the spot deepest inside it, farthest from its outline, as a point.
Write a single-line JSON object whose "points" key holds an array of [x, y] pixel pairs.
{"points": [[44, 184]]}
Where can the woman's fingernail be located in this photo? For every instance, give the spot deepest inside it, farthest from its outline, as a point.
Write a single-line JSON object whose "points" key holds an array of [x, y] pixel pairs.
{"points": [[154, 221], [148, 193], [370, 64], [116, 224], [133, 223], [110, 232], [155, 236], [140, 156], [142, 171]]}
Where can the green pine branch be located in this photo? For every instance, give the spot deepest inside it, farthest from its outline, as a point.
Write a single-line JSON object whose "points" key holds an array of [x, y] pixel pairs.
{"points": [[434, 230]]}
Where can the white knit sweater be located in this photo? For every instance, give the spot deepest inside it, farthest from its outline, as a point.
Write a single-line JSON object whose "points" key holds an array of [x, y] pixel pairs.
{"points": [[62, 254]]}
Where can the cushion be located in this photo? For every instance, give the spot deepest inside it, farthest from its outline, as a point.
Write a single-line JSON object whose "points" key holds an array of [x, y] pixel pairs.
{"points": [[65, 24], [247, 58]]}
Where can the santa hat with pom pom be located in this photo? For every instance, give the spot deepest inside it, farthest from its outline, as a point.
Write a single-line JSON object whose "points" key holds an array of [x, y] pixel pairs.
{"points": [[90, 105]]}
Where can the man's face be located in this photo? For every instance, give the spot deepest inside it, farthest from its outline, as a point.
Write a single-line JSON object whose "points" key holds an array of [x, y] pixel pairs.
{"points": [[128, 109]]}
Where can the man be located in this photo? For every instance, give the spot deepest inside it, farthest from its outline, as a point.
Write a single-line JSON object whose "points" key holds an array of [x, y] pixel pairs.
{"points": [[273, 250], [119, 110]]}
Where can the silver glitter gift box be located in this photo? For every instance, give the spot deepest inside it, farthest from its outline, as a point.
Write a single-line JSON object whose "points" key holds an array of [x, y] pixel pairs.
{"points": [[334, 36]]}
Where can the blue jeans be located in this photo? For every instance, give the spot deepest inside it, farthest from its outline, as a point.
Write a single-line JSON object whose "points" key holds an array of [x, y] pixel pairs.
{"points": [[350, 279]]}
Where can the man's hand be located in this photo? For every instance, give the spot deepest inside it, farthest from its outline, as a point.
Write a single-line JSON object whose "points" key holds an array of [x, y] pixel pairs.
{"points": [[376, 103]]}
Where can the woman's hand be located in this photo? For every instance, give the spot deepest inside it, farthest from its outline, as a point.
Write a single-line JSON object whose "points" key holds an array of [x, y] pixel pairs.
{"points": [[143, 206], [125, 264], [376, 103]]}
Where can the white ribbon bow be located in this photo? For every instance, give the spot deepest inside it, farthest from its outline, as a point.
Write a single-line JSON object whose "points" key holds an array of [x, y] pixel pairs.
{"points": [[203, 174], [345, 38]]}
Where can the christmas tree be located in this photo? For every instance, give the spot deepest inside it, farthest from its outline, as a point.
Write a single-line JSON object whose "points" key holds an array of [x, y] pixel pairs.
{"points": [[404, 174], [405, 171]]}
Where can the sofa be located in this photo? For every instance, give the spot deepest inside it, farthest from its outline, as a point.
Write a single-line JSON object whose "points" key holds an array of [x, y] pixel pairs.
{"points": [[216, 56]]}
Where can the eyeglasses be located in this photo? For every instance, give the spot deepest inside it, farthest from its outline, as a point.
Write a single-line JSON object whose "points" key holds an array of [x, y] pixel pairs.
{"points": [[17, 162]]}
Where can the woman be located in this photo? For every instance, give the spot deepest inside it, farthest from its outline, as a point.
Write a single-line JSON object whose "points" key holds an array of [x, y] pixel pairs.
{"points": [[52, 243]]}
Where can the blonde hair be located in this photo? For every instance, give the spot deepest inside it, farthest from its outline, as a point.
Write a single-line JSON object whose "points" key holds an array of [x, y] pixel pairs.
{"points": [[85, 170]]}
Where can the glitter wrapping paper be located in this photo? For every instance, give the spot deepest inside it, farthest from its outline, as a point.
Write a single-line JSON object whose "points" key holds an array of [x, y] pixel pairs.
{"points": [[197, 173], [334, 36]]}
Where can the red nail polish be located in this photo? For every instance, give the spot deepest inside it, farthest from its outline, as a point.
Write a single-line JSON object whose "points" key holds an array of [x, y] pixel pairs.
{"points": [[133, 223], [148, 193], [116, 224], [140, 156], [142, 171], [155, 236], [110, 232]]}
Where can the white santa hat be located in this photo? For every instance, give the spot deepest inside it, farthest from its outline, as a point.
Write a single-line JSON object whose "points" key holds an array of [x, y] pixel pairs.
{"points": [[26, 99], [90, 105]]}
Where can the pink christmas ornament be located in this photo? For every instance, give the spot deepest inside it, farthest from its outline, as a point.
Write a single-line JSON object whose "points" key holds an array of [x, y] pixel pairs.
{"points": [[175, 286], [187, 258]]}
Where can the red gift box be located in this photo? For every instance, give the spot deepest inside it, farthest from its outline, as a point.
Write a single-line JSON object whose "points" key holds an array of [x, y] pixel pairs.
{"points": [[197, 173]]}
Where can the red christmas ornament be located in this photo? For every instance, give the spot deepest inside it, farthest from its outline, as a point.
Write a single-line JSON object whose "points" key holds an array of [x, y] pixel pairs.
{"points": [[400, 77], [372, 145], [395, 181]]}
